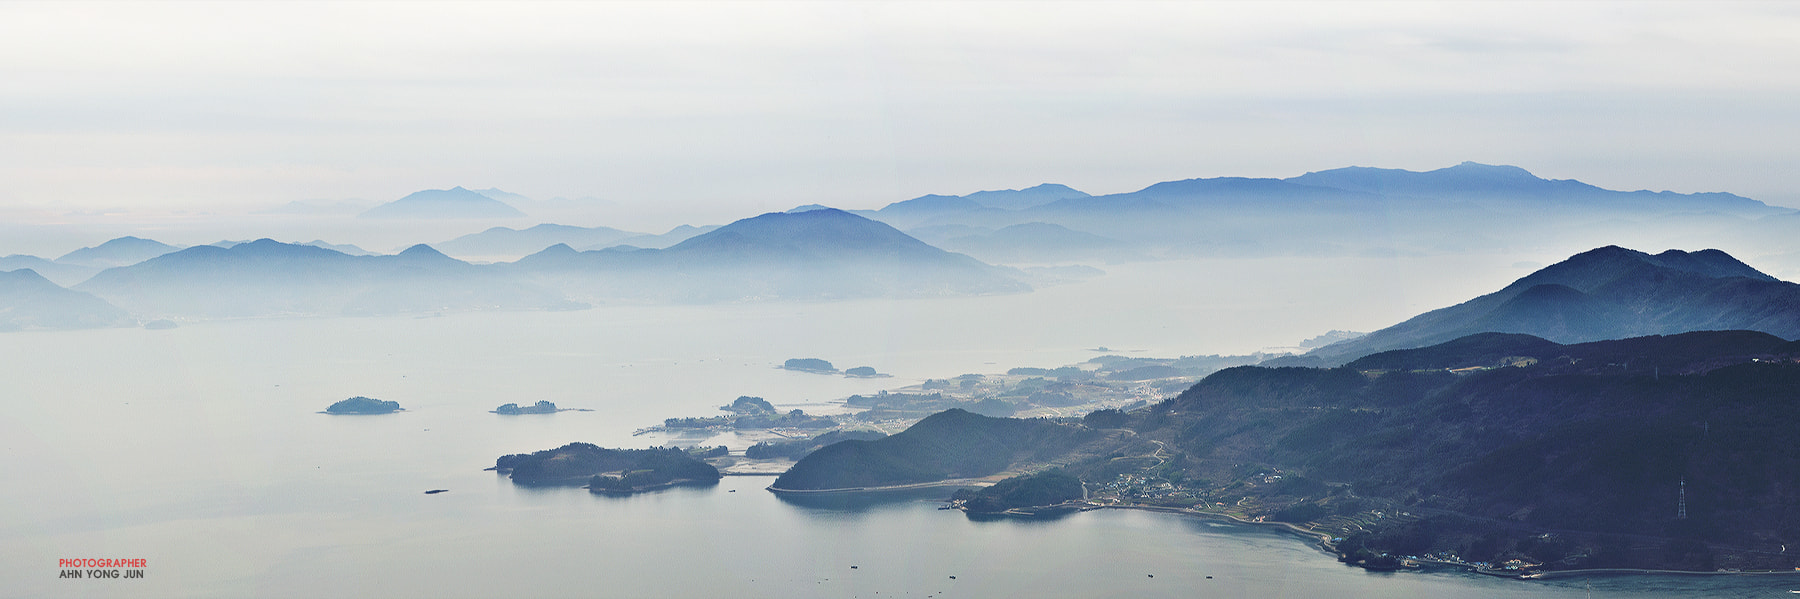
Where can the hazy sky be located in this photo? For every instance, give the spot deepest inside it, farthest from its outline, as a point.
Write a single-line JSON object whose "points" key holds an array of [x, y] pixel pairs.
{"points": [[719, 110]]}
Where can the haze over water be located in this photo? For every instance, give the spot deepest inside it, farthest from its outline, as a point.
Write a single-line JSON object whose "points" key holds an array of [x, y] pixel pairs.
{"points": [[201, 450]]}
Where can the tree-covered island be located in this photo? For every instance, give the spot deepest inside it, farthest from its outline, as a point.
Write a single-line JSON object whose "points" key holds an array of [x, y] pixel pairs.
{"points": [[607, 471], [513, 409], [363, 405]]}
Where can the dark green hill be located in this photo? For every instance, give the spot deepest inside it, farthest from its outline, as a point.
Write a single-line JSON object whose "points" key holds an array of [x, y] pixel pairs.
{"points": [[364, 405], [1589, 441], [1654, 354], [1047, 488], [950, 444], [607, 470], [799, 448]]}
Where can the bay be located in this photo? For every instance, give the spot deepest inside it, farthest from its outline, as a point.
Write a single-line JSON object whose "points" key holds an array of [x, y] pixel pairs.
{"points": [[201, 449]]}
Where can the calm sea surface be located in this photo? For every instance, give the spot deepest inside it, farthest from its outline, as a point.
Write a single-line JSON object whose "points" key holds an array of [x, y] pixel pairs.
{"points": [[200, 449]]}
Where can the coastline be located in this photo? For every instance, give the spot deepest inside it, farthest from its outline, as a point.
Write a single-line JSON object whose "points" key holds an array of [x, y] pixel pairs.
{"points": [[954, 482], [1323, 544], [1622, 571]]}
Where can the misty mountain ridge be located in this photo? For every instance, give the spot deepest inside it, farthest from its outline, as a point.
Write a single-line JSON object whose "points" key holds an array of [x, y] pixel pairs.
{"points": [[1483, 182], [266, 277], [57, 272], [1605, 293], [656, 242], [1020, 199], [123, 251], [1040, 242], [822, 254], [506, 241], [931, 208], [30, 301], [1470, 207], [817, 254], [347, 248], [453, 203]]}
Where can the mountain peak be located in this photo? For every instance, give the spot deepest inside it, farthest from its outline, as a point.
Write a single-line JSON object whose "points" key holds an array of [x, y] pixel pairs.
{"points": [[117, 252], [1602, 265], [24, 277], [455, 202], [1491, 170], [424, 252], [1604, 293]]}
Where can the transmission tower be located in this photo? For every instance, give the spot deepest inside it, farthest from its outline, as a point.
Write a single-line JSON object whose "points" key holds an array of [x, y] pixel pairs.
{"points": [[1681, 504]]}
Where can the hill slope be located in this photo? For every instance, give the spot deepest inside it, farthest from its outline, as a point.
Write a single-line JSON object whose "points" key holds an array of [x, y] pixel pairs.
{"points": [[1591, 441], [29, 301], [1606, 293], [950, 444]]}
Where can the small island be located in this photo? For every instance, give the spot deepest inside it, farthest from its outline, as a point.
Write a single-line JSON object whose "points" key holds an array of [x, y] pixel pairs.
{"points": [[1048, 493], [864, 372], [608, 471], [513, 409], [749, 405], [364, 405], [813, 365]]}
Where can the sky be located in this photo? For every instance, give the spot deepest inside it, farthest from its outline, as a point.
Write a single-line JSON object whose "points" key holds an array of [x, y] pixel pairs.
{"points": [[707, 112]]}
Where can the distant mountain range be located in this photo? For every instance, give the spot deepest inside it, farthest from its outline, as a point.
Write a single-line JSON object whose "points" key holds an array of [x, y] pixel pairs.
{"points": [[1503, 187], [346, 248], [821, 254], [266, 277], [455, 202], [928, 208], [1606, 293], [1467, 207], [57, 272]]}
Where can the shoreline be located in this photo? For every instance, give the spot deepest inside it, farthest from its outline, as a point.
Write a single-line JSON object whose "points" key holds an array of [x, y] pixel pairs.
{"points": [[1322, 542], [955, 482], [1645, 571]]}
